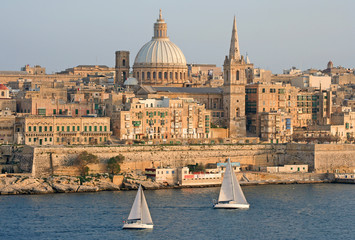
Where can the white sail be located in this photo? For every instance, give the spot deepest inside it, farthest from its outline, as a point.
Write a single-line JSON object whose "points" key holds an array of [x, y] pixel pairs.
{"points": [[146, 218], [230, 189], [136, 210], [238, 195], [226, 192]]}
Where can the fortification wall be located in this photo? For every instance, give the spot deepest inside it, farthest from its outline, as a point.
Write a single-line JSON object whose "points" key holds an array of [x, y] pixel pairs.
{"points": [[49, 160], [334, 157], [320, 158]]}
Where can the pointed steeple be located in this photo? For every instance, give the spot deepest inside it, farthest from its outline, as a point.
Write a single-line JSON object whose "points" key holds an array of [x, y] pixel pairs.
{"points": [[247, 60], [234, 47]]}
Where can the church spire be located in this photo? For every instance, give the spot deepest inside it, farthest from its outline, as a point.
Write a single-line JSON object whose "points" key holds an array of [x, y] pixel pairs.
{"points": [[234, 47]]}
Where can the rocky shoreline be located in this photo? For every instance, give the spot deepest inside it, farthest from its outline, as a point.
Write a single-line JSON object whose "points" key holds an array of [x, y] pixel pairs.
{"points": [[19, 184]]}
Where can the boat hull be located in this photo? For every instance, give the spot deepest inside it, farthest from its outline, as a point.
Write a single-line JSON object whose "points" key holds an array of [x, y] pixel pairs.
{"points": [[231, 206], [137, 226]]}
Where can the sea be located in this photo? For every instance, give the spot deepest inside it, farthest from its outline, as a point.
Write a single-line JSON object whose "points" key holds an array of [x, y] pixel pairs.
{"points": [[294, 211]]}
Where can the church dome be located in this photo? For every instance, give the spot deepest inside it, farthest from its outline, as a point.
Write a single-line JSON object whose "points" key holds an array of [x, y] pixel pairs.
{"points": [[160, 51], [160, 61], [131, 82]]}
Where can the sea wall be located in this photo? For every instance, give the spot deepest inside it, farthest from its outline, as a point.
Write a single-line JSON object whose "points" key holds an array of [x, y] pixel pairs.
{"points": [[51, 160], [320, 158]]}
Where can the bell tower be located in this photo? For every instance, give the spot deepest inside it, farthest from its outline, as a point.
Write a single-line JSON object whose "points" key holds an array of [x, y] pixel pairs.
{"points": [[121, 67], [237, 73]]}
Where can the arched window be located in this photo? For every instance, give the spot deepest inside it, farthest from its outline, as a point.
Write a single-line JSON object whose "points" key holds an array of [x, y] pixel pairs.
{"points": [[237, 112], [160, 75], [157, 33], [171, 76], [143, 76], [2, 93], [151, 105], [154, 75], [176, 75], [165, 75], [138, 75], [160, 34], [124, 62], [237, 75], [226, 77], [148, 75], [180, 75], [124, 75]]}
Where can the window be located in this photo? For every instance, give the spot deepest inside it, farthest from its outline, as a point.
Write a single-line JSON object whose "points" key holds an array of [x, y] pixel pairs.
{"points": [[58, 128], [160, 75], [237, 75], [263, 90], [87, 111], [76, 111], [54, 111], [68, 128], [45, 128], [50, 139], [100, 128], [105, 128], [90, 128], [50, 128], [34, 128], [78, 139], [95, 128], [57, 139], [73, 128], [29, 128], [29, 139], [45, 139], [86, 128], [40, 128], [78, 128], [60, 111]]}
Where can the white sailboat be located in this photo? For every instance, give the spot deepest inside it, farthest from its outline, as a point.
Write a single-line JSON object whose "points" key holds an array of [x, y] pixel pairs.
{"points": [[139, 217], [231, 194]]}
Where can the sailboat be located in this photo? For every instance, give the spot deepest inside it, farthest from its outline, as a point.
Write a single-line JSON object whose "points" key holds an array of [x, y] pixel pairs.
{"points": [[139, 217], [231, 194]]}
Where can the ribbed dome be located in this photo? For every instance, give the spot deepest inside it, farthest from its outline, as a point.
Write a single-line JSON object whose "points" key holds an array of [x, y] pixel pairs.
{"points": [[160, 51]]}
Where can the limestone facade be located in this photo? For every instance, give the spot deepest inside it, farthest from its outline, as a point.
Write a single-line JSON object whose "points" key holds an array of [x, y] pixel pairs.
{"points": [[162, 119], [38, 130]]}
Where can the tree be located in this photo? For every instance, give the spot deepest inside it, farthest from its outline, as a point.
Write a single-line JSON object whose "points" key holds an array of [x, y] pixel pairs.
{"points": [[113, 164], [83, 159]]}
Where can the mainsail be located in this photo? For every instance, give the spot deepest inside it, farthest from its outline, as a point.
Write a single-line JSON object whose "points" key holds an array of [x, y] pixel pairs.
{"points": [[140, 210], [136, 210], [230, 189]]}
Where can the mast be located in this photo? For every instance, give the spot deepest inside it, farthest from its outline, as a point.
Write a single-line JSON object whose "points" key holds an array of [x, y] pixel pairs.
{"points": [[231, 172]]}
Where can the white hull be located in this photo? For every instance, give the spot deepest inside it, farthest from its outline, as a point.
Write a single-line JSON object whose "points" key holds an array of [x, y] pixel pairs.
{"points": [[231, 205], [137, 226]]}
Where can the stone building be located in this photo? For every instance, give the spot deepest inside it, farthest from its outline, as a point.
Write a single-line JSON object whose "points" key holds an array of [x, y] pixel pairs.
{"points": [[276, 127], [87, 70], [310, 81], [40, 130], [267, 98], [314, 107], [162, 119], [7, 122]]}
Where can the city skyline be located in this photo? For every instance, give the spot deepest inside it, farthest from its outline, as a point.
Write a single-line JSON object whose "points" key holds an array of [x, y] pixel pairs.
{"points": [[64, 34]]}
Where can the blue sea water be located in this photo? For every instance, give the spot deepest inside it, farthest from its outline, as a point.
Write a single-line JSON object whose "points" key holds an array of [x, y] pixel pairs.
{"points": [[309, 211]]}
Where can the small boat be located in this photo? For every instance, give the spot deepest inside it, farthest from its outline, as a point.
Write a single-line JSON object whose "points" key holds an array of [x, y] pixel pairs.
{"points": [[139, 217], [231, 194]]}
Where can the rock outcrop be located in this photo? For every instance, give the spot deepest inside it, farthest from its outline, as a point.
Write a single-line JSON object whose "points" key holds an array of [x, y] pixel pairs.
{"points": [[10, 184]]}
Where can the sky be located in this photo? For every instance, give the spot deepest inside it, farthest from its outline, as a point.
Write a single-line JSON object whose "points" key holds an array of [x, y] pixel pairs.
{"points": [[276, 34]]}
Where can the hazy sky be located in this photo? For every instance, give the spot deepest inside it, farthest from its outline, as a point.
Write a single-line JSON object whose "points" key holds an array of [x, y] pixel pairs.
{"points": [[277, 34]]}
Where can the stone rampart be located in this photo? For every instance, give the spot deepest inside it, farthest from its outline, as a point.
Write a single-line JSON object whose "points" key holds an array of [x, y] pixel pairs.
{"points": [[321, 158], [49, 160], [334, 157]]}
